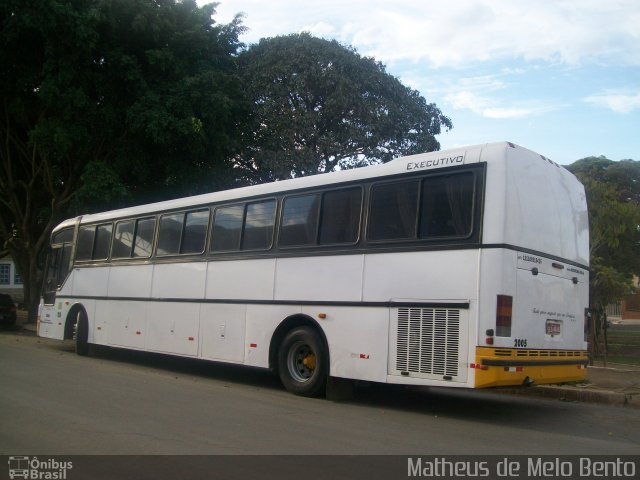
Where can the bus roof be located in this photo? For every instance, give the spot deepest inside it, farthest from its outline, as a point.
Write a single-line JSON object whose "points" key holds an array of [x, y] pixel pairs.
{"points": [[490, 152]]}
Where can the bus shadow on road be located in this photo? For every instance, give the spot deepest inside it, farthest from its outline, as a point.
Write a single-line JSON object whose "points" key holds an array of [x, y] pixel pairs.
{"points": [[459, 403], [450, 402], [191, 367]]}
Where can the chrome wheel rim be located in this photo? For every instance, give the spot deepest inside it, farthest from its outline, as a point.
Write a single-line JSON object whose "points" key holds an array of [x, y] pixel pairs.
{"points": [[301, 362]]}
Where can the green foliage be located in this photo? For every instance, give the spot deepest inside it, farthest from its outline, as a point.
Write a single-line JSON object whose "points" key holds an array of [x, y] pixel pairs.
{"points": [[109, 101], [318, 106], [101, 188], [613, 190]]}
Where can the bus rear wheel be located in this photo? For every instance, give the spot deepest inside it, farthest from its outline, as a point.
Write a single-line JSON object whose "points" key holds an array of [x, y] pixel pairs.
{"points": [[302, 362]]}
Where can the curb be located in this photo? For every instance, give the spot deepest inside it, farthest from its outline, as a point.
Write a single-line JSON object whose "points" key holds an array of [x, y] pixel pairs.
{"points": [[572, 394]]}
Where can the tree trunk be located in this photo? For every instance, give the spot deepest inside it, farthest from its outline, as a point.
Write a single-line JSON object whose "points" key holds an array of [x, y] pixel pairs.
{"points": [[26, 260]]}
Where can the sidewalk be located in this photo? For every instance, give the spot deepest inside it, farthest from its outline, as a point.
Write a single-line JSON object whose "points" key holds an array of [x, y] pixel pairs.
{"points": [[614, 384]]}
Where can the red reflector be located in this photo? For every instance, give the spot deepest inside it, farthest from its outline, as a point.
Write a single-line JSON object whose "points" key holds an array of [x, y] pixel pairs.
{"points": [[489, 340], [138, 333], [513, 369], [253, 345], [364, 356], [191, 339], [504, 310]]}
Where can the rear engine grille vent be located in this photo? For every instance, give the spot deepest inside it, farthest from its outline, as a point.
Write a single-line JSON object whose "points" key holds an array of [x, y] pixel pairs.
{"points": [[549, 353], [502, 352], [428, 341]]}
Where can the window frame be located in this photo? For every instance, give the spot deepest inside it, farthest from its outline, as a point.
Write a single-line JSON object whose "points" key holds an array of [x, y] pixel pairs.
{"points": [[477, 177], [5, 268], [321, 194], [318, 194], [245, 207], [184, 214], [274, 226], [416, 224], [135, 221], [92, 258]]}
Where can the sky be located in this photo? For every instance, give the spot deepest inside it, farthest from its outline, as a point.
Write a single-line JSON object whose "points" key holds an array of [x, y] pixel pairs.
{"points": [[560, 77]]}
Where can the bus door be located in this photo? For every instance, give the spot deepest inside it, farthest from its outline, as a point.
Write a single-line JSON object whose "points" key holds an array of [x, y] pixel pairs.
{"points": [[56, 271]]}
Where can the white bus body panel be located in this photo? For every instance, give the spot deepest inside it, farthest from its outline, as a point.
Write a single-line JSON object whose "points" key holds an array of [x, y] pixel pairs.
{"points": [[323, 279], [228, 310]]}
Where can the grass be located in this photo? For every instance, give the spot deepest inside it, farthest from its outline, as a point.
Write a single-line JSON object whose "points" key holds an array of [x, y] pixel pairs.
{"points": [[622, 360], [623, 344]]}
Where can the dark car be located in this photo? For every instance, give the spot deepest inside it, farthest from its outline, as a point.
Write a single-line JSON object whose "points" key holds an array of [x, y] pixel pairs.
{"points": [[7, 310]]}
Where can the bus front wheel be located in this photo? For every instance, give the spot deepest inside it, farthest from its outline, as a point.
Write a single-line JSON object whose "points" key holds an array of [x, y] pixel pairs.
{"points": [[302, 362], [82, 334]]}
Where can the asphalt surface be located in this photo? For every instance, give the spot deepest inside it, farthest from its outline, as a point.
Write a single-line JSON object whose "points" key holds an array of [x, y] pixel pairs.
{"points": [[119, 402]]}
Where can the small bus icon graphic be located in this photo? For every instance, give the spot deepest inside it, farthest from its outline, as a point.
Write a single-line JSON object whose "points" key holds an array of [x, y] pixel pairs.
{"points": [[18, 467]]}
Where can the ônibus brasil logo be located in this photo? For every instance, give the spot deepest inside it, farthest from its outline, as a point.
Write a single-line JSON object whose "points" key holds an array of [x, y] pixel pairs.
{"points": [[34, 469]]}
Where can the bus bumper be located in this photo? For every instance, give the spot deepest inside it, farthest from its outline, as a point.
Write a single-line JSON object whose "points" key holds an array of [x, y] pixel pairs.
{"points": [[501, 367]]}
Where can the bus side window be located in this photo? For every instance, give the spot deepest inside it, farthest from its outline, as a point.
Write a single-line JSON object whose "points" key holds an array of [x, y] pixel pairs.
{"points": [[447, 206], [93, 242], [227, 228], [258, 225], [393, 211], [86, 237], [143, 245], [299, 221], [170, 233], [123, 239], [102, 242], [340, 218], [195, 231]]}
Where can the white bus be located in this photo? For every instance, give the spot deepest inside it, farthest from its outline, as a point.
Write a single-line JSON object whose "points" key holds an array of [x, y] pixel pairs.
{"points": [[465, 268]]}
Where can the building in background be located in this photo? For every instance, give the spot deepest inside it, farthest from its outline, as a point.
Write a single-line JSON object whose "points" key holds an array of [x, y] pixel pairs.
{"points": [[10, 280]]}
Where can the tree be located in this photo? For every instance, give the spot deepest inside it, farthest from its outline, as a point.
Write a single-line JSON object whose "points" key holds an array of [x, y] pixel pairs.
{"points": [[613, 194], [108, 101], [319, 106]]}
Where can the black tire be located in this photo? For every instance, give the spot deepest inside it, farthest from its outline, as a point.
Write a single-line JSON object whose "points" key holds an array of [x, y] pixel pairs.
{"points": [[303, 362], [82, 334]]}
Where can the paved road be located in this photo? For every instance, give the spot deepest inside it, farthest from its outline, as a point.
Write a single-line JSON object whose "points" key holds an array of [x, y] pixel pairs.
{"points": [[53, 402]]}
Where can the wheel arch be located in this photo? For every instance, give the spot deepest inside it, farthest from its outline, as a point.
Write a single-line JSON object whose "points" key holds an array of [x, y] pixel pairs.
{"points": [[70, 321], [288, 324]]}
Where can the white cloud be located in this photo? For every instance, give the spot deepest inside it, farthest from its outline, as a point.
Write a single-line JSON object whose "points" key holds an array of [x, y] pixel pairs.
{"points": [[489, 107], [619, 102], [458, 33]]}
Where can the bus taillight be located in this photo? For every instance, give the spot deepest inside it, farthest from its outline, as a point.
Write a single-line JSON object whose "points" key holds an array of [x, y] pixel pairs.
{"points": [[503, 315]]}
